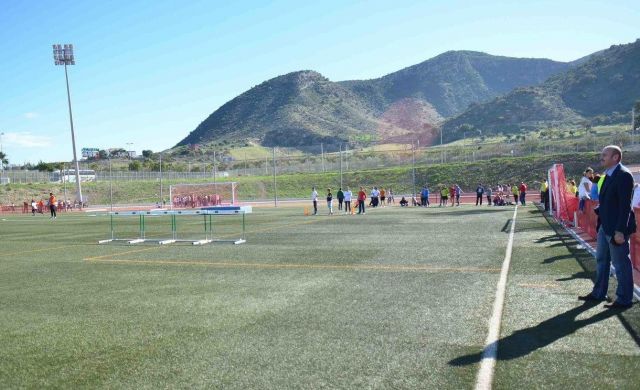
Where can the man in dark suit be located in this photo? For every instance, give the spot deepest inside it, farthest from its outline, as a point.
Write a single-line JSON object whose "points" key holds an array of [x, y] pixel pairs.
{"points": [[616, 222]]}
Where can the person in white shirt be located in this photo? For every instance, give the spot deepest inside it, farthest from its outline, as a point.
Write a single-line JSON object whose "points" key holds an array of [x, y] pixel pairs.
{"points": [[347, 201], [584, 188], [635, 202], [314, 198], [374, 197]]}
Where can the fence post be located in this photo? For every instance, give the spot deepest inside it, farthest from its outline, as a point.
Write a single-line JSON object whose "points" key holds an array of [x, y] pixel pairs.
{"points": [[275, 185]]}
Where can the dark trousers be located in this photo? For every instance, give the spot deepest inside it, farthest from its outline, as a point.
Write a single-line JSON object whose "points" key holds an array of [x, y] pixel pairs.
{"points": [[522, 198], [53, 210], [360, 206], [546, 201], [340, 203], [606, 254], [347, 206], [423, 201], [489, 199], [479, 199], [315, 207]]}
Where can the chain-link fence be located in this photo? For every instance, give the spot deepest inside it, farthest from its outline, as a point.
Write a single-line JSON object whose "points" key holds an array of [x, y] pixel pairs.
{"points": [[322, 158]]}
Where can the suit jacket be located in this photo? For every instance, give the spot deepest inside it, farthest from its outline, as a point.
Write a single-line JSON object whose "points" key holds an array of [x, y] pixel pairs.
{"points": [[615, 212]]}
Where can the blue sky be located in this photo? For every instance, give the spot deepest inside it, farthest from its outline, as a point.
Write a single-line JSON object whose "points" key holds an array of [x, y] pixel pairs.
{"points": [[148, 72]]}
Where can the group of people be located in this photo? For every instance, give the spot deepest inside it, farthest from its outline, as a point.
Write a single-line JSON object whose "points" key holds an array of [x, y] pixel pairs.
{"points": [[51, 203], [449, 196], [196, 200], [378, 198], [501, 195]]}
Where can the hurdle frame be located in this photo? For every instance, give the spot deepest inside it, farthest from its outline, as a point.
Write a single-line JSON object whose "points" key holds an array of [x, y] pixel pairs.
{"points": [[207, 213]]}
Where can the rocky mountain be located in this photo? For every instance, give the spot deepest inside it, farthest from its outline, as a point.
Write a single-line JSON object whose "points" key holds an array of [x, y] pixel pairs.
{"points": [[600, 88], [462, 91]]}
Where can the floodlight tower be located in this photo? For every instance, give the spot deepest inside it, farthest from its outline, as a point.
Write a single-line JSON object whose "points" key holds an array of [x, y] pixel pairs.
{"points": [[63, 55]]}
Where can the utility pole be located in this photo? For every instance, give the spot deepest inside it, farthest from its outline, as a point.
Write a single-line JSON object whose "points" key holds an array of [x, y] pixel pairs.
{"points": [[633, 125], [110, 187], [413, 164], [322, 155], [275, 184], [161, 195], [340, 165]]}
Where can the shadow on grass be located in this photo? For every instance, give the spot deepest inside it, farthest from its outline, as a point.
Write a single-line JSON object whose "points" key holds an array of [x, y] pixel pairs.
{"points": [[553, 237], [553, 259], [457, 211], [577, 275], [524, 341], [630, 319]]}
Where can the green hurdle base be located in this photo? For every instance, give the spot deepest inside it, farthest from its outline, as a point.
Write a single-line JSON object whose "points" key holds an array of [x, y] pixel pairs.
{"points": [[208, 231]]}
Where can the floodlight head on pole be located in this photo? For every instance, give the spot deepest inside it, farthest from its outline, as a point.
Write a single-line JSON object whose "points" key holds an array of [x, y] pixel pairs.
{"points": [[63, 54]]}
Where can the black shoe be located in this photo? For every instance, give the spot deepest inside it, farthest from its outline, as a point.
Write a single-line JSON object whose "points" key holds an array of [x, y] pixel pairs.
{"points": [[590, 298], [618, 306]]}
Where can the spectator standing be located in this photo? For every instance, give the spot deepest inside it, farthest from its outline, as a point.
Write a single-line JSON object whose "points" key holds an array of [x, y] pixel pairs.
{"points": [[383, 194], [515, 192], [544, 194], [489, 193], [375, 197], [523, 193], [34, 207], [572, 188], [635, 202], [52, 206], [424, 196], [479, 194], [390, 197], [616, 222], [340, 196], [584, 189], [444, 196], [347, 201], [362, 197], [458, 192], [314, 199], [595, 186], [330, 201]]}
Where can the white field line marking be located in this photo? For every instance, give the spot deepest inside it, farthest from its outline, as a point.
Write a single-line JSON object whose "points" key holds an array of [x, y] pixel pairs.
{"points": [[490, 352]]}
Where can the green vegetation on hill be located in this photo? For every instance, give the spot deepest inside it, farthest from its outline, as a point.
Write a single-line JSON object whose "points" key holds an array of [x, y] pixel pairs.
{"points": [[305, 108], [455, 79], [601, 89]]}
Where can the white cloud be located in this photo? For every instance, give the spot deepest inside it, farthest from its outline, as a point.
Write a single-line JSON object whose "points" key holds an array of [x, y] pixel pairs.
{"points": [[27, 140], [31, 115]]}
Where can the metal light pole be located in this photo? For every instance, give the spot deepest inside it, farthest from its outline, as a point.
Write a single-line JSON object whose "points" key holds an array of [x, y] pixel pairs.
{"points": [[340, 165], [275, 183], [161, 195], [413, 147], [129, 149], [64, 181], [1, 163], [110, 187], [63, 55]]}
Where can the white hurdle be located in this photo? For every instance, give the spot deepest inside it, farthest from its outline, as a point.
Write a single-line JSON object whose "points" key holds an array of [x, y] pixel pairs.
{"points": [[207, 212]]}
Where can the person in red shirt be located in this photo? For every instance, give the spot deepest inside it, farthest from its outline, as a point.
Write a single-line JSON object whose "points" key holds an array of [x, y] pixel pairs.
{"points": [[523, 193], [362, 197]]}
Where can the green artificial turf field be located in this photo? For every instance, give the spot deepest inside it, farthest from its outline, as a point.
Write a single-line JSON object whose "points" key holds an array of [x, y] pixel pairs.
{"points": [[396, 298]]}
